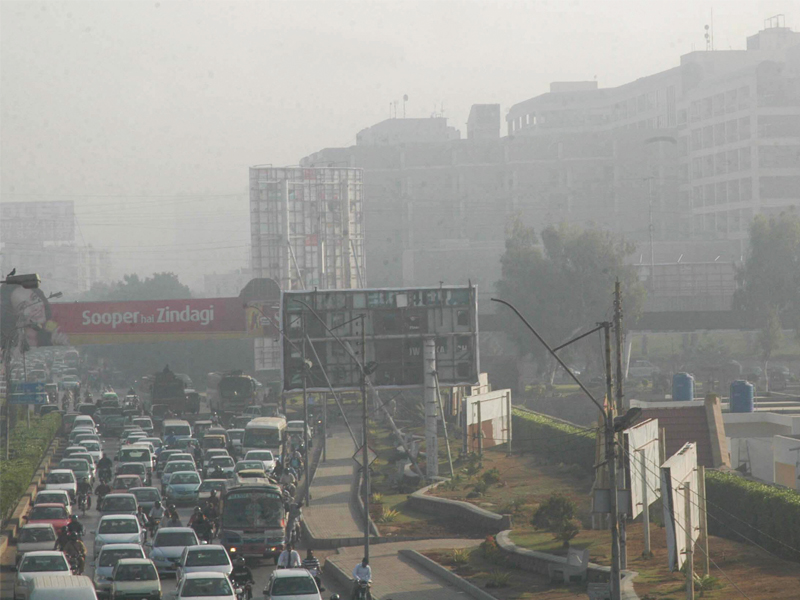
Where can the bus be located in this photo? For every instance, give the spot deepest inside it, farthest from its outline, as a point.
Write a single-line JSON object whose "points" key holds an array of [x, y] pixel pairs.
{"points": [[265, 433], [253, 519], [72, 359], [176, 427]]}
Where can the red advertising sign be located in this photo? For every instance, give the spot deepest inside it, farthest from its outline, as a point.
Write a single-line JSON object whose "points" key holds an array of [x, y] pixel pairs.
{"points": [[39, 323]]}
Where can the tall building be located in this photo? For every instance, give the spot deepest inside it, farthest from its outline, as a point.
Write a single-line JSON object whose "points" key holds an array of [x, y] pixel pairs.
{"points": [[307, 227]]}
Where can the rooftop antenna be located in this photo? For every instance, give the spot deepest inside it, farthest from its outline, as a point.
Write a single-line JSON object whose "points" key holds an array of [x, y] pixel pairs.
{"points": [[405, 99]]}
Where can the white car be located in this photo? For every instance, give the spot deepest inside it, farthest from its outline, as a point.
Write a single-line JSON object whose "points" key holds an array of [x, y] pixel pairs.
{"points": [[166, 548], [35, 537], [54, 497], [94, 448], [145, 423], [34, 564], [135, 578], [107, 560], [204, 558], [62, 479], [291, 584], [265, 456], [175, 466], [205, 586], [642, 368], [117, 529]]}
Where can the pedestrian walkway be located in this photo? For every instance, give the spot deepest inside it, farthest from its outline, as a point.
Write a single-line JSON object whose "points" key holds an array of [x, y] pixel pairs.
{"points": [[394, 576], [329, 516]]}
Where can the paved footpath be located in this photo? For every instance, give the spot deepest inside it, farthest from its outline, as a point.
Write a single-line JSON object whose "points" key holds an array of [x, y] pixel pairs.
{"points": [[329, 516], [396, 577]]}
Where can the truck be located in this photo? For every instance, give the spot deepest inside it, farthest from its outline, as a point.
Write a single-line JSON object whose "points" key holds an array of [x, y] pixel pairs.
{"points": [[235, 392], [169, 389]]}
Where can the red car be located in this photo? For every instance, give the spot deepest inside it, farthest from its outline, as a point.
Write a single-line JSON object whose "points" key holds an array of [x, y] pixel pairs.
{"points": [[55, 514], [122, 483]]}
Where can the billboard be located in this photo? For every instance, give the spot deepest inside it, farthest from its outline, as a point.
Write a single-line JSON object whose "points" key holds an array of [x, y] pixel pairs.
{"points": [[35, 222], [678, 471], [29, 320], [395, 322], [643, 464]]}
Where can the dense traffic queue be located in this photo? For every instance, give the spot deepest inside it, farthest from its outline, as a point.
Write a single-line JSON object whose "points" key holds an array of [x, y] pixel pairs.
{"points": [[241, 482]]}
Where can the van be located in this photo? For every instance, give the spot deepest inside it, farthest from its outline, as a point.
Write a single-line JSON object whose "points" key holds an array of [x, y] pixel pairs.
{"points": [[61, 587], [177, 428]]}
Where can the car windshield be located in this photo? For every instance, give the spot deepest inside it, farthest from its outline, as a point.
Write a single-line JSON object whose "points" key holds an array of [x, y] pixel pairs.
{"points": [[178, 466], [124, 504], [93, 446], [207, 558], [40, 564], [109, 558], [175, 538], [132, 469], [293, 586], [126, 482], [218, 586], [260, 455], [146, 495], [235, 435], [134, 455], [48, 512], [36, 534], [61, 478], [118, 526], [207, 486], [222, 461], [184, 478], [50, 498], [135, 573], [74, 465], [249, 464]]}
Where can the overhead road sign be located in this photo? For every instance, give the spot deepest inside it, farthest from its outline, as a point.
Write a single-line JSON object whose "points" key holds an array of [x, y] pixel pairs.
{"points": [[28, 393]]}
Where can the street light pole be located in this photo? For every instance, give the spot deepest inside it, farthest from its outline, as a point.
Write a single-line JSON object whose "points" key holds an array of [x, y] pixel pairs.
{"points": [[364, 448], [305, 417]]}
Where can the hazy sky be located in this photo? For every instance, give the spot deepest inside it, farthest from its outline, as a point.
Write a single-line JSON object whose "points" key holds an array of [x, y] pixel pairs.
{"points": [[140, 110]]}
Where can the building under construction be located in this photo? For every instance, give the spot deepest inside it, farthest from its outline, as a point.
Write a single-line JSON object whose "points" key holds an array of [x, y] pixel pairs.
{"points": [[307, 226]]}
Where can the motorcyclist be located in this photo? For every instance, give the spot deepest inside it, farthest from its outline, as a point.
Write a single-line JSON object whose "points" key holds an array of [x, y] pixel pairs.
{"points": [[289, 558], [101, 490], [217, 473], [76, 550], [172, 516], [104, 467], [362, 573], [311, 564], [287, 477], [142, 517], [61, 539], [213, 500], [85, 489], [75, 526], [241, 575], [196, 515], [295, 510], [157, 512]]}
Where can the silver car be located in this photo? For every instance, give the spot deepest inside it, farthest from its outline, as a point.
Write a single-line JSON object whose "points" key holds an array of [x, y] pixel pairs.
{"points": [[34, 537], [166, 548], [204, 558], [107, 560], [35, 564]]}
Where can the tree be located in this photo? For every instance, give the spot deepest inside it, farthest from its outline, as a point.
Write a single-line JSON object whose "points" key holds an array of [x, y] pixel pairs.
{"points": [[557, 515], [769, 338], [565, 285], [160, 286]]}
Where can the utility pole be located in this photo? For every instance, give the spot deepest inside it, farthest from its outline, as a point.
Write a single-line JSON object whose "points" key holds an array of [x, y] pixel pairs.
{"points": [[325, 428], [620, 409], [365, 447], [431, 426], [611, 461], [689, 559], [305, 416]]}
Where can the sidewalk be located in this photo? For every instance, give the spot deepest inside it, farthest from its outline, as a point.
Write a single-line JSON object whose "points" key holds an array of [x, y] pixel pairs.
{"points": [[394, 576], [329, 516]]}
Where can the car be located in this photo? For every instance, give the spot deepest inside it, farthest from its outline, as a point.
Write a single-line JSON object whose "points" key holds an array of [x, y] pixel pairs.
{"points": [[174, 466], [83, 436], [204, 491], [241, 421], [94, 448], [205, 586], [84, 421], [79, 466], [167, 546], [204, 558], [155, 442], [69, 421], [38, 564], [134, 468], [235, 437], [296, 428], [225, 463], [70, 450], [119, 504], [254, 411], [248, 465], [123, 483], [90, 459], [34, 537], [106, 561], [113, 425], [182, 455], [117, 529], [265, 456], [146, 423], [201, 426], [54, 497], [184, 443], [76, 431], [132, 437], [291, 584], [62, 479], [87, 408], [54, 514], [214, 452], [183, 487], [642, 369], [146, 496], [135, 578]]}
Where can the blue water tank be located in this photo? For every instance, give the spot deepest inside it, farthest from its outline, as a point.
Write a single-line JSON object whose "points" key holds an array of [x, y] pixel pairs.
{"points": [[742, 393], [682, 387]]}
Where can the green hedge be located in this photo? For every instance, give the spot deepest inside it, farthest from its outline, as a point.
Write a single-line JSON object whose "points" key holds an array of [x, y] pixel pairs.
{"points": [[27, 449], [557, 440], [764, 514]]}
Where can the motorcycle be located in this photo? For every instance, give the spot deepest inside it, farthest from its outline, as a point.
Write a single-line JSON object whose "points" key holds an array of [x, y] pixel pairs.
{"points": [[83, 502], [105, 475], [243, 591], [362, 590]]}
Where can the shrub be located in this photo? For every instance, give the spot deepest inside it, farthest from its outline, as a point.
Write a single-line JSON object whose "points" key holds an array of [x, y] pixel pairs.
{"points": [[377, 498], [480, 487], [389, 516], [460, 557], [544, 435], [491, 551], [514, 507], [27, 446], [767, 515], [706, 583], [451, 485], [498, 579], [491, 476], [557, 515]]}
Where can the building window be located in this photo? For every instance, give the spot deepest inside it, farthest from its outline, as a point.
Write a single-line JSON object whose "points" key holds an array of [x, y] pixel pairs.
{"points": [[710, 194], [744, 128], [722, 193], [732, 131], [730, 101], [708, 136], [733, 161], [744, 98], [697, 139], [708, 165], [697, 196], [734, 221], [683, 143], [779, 157], [745, 189], [733, 191], [718, 104], [697, 168], [779, 187]]}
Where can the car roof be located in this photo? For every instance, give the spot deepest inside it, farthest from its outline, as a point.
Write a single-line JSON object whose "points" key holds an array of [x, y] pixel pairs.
{"points": [[38, 526], [45, 491], [128, 475], [281, 573], [120, 547], [206, 575], [120, 494], [49, 504], [134, 561], [144, 487], [185, 472], [126, 517], [175, 530], [61, 471], [44, 553], [205, 547], [235, 429]]}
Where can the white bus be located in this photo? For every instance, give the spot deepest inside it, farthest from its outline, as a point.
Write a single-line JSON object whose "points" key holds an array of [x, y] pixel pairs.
{"points": [[265, 433]]}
